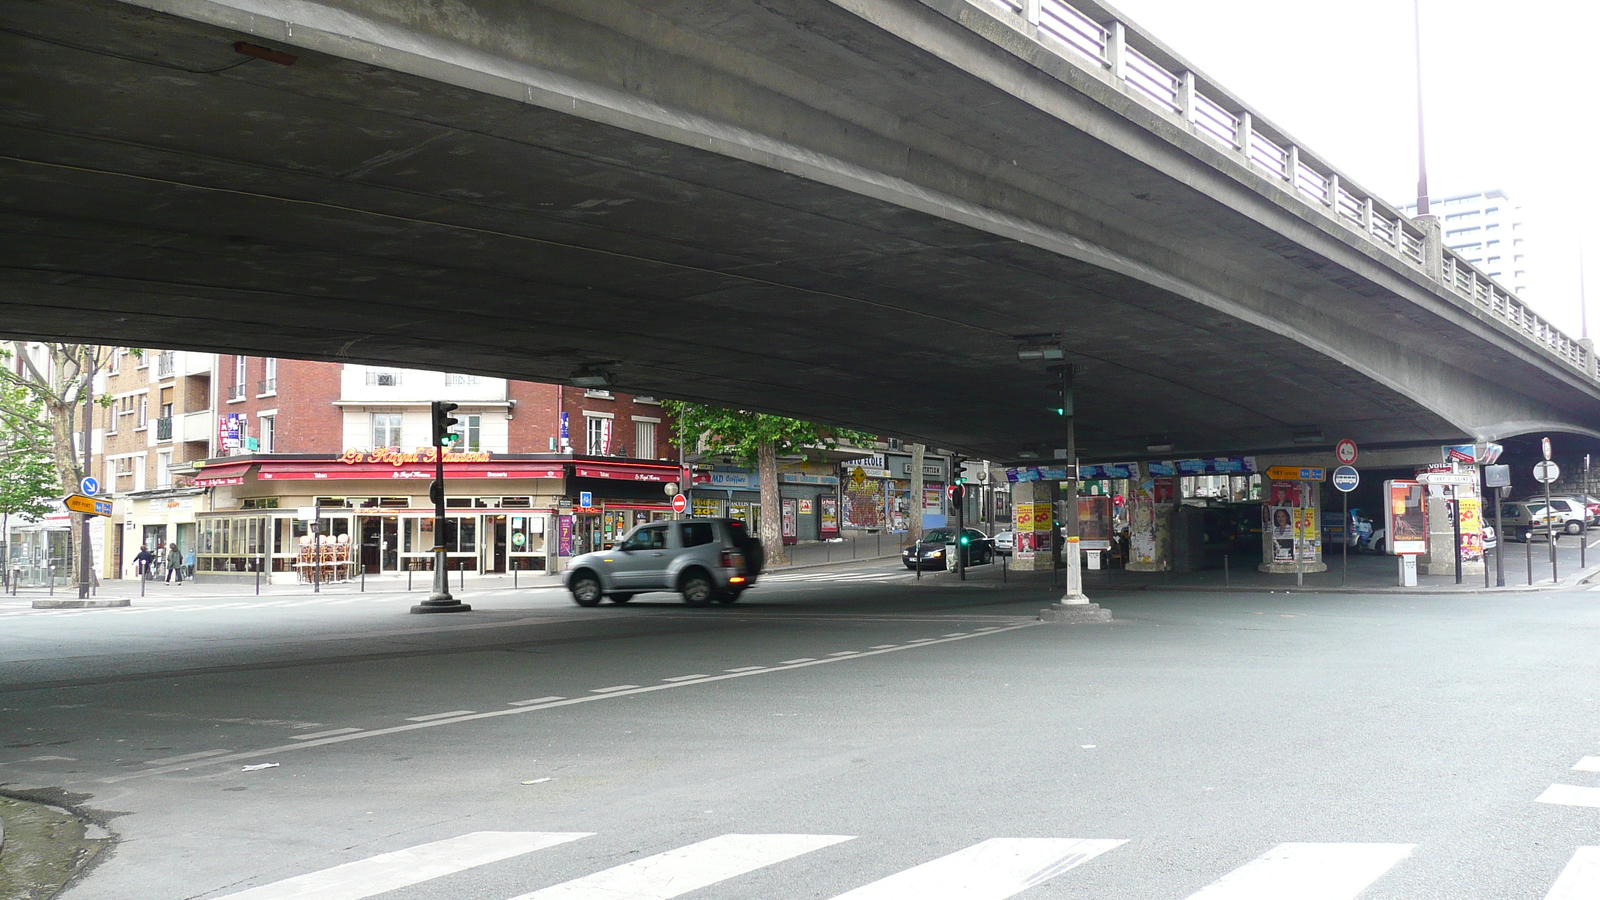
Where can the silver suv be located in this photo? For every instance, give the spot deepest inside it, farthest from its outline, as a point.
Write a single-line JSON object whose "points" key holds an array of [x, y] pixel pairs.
{"points": [[704, 559]]}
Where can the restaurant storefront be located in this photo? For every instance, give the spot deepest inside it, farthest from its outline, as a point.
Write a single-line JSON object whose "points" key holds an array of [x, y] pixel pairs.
{"points": [[373, 514]]}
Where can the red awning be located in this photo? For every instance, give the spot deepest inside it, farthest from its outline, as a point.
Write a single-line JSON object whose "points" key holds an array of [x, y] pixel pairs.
{"points": [[218, 476], [333, 470], [625, 471]]}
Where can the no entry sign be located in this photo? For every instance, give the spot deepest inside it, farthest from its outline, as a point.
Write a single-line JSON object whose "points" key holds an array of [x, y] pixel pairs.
{"points": [[679, 503]]}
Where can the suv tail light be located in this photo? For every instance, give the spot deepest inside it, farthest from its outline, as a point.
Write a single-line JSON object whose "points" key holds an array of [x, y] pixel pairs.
{"points": [[732, 559]]}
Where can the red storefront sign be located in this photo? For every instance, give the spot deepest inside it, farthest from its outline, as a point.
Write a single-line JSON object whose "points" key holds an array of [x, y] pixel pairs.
{"points": [[625, 471], [336, 470], [220, 476]]}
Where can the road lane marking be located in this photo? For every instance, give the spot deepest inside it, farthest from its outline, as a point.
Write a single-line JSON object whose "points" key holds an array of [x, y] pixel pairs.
{"points": [[677, 872], [845, 653], [1570, 795], [322, 734], [796, 662], [745, 669], [1588, 764], [613, 689], [1580, 880], [683, 677], [991, 870], [535, 700], [539, 707], [444, 715], [403, 868], [884, 646], [168, 760], [1307, 872]]}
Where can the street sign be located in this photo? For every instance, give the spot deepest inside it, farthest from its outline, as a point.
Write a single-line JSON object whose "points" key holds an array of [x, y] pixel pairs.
{"points": [[306, 513], [1497, 476], [89, 486], [857, 476], [1547, 471], [680, 503], [1451, 479], [1346, 478], [1345, 452], [586, 499], [1296, 473], [1545, 442], [78, 503]]}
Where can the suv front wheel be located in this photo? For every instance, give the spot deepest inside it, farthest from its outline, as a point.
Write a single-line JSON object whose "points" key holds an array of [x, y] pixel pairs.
{"points": [[697, 589]]}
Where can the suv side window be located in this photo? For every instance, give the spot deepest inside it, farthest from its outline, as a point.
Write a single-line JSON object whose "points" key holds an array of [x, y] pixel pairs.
{"points": [[651, 538], [695, 534]]}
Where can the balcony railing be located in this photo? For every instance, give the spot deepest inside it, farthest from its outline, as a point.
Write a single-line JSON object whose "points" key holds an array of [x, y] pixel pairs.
{"points": [[267, 386], [1136, 63], [235, 392], [164, 364], [164, 428]]}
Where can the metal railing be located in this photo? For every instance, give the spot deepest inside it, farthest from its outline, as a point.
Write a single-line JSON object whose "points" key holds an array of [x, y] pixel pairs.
{"points": [[235, 392], [1109, 47], [267, 386], [164, 428], [164, 364]]}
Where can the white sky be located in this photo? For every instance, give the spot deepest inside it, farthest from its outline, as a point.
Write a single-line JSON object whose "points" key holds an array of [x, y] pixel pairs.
{"points": [[1508, 94]]}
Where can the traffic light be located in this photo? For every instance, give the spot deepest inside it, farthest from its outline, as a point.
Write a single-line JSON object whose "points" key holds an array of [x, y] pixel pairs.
{"points": [[443, 422]]}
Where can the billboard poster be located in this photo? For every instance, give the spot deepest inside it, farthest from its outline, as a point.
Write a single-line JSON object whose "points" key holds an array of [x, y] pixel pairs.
{"points": [[830, 514], [566, 437], [1405, 518], [1094, 522], [789, 520], [1022, 519], [932, 501], [1280, 522], [1471, 511], [1025, 546], [564, 535]]}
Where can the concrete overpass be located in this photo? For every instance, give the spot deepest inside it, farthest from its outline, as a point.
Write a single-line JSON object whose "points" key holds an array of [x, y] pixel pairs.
{"points": [[843, 210]]}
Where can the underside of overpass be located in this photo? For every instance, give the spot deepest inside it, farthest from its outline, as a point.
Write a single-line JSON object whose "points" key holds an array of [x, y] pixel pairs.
{"points": [[845, 214]]}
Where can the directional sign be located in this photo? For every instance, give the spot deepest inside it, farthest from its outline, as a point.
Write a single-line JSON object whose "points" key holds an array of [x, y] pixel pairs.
{"points": [[87, 505], [1545, 442], [1296, 473], [1451, 479], [1346, 478], [680, 503], [1547, 471], [585, 499], [1345, 452], [89, 486]]}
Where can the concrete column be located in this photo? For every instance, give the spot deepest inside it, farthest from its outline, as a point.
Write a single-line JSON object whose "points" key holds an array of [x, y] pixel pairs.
{"points": [[1588, 357], [1291, 520], [1151, 502], [1116, 50], [1031, 520], [1293, 165], [1438, 559], [1432, 245], [1030, 11], [1242, 137], [1186, 97]]}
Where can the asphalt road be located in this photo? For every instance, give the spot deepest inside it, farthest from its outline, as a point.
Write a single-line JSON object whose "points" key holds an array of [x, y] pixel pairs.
{"points": [[836, 731]]}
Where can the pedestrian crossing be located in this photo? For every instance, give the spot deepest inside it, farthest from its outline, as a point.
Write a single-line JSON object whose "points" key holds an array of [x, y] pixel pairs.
{"points": [[992, 869], [834, 577]]}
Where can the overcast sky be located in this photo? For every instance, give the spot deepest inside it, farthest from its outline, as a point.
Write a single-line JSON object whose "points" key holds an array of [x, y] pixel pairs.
{"points": [[1509, 95]]}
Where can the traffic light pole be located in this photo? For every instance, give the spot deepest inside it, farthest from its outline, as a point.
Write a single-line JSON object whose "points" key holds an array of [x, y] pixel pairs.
{"points": [[440, 599], [1074, 595]]}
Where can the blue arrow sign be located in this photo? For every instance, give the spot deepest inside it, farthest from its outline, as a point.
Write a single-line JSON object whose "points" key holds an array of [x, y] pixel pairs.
{"points": [[89, 486], [1346, 478], [585, 499]]}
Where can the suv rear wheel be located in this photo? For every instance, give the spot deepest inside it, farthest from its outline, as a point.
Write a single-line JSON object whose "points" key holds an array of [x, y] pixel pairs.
{"points": [[697, 588], [729, 596], [585, 590], [621, 598]]}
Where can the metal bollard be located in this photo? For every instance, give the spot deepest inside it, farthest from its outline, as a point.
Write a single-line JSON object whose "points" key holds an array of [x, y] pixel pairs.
{"points": [[1528, 545], [463, 571], [408, 579], [1003, 568], [258, 578], [514, 571], [1227, 574], [363, 578]]}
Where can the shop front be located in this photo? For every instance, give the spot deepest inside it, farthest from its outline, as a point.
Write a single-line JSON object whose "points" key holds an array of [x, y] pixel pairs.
{"points": [[607, 497], [810, 506], [729, 493]]}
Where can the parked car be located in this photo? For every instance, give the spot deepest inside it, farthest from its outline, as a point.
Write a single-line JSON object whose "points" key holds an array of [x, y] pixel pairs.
{"points": [[704, 559], [976, 547], [1526, 519], [1005, 543]]}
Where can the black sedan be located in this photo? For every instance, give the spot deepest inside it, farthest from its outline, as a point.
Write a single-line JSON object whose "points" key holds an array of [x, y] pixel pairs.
{"points": [[976, 548]]}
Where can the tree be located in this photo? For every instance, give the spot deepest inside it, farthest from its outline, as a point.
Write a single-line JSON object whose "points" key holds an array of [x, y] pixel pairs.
{"points": [[756, 439], [52, 379], [28, 483]]}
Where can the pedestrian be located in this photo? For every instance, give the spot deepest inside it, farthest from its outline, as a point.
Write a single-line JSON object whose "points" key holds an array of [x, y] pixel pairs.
{"points": [[174, 563], [142, 561]]}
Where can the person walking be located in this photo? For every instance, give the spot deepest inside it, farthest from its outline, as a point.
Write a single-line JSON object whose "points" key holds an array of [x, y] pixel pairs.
{"points": [[142, 561], [174, 563]]}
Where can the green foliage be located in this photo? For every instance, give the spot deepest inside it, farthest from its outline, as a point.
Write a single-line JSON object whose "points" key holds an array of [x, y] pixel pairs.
{"points": [[741, 433], [29, 484]]}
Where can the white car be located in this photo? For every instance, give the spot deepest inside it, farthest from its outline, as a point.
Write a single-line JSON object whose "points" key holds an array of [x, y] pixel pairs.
{"points": [[1005, 542]]}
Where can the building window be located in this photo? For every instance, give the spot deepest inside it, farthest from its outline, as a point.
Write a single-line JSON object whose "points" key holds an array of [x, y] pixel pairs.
{"points": [[599, 435], [164, 468], [650, 400], [599, 394], [144, 411], [471, 431], [451, 379], [267, 427], [644, 439], [269, 376], [385, 429], [114, 365], [383, 379]]}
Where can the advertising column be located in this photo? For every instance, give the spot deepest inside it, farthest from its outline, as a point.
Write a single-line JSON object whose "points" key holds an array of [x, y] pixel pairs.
{"points": [[1291, 532], [1151, 499]]}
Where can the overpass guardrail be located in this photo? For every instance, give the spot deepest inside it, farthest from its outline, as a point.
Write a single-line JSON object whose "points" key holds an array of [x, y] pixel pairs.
{"points": [[1178, 93]]}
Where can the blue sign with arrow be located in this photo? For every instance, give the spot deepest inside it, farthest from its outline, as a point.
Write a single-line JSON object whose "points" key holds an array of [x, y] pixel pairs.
{"points": [[89, 486]]}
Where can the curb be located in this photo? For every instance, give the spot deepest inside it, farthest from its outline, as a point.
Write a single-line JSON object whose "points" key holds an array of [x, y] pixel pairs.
{"points": [[80, 604]]}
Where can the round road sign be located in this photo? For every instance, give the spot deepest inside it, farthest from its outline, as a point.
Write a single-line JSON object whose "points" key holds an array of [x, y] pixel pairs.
{"points": [[1345, 452], [1546, 472], [90, 486], [1345, 478], [1544, 444], [680, 503]]}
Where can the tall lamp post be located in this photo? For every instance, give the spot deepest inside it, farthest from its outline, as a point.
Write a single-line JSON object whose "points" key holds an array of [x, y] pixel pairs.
{"points": [[85, 552]]}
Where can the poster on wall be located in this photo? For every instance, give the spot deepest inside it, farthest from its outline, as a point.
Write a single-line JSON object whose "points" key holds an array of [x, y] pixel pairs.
{"points": [[1279, 521], [1306, 532], [1405, 518], [1471, 511], [1024, 547], [1023, 519], [563, 535], [932, 501], [830, 515], [1095, 522], [789, 520], [805, 506]]}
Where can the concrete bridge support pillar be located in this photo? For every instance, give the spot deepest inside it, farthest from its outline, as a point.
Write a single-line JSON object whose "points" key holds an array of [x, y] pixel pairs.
{"points": [[1031, 519], [1292, 524], [1151, 503]]}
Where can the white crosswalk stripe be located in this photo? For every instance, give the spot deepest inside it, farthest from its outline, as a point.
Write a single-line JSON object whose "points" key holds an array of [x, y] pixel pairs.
{"points": [[1580, 880], [834, 576], [1570, 795], [992, 870], [1307, 872], [402, 868], [686, 869]]}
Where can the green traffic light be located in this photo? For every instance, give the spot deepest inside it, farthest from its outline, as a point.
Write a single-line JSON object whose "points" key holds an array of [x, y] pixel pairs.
{"points": [[965, 539]]}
